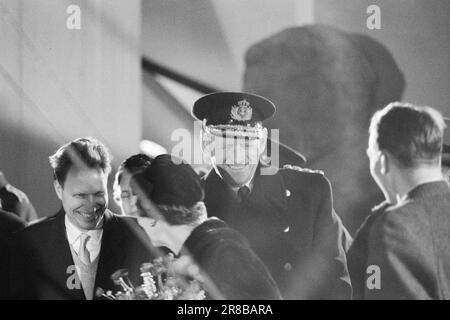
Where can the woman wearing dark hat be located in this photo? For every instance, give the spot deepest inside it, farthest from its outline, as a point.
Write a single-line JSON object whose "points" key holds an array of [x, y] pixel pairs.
{"points": [[170, 197]]}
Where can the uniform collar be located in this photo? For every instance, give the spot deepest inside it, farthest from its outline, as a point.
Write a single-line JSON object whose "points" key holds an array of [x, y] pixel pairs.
{"points": [[268, 191]]}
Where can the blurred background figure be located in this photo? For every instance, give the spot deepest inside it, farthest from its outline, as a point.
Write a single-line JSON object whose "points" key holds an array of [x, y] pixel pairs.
{"points": [[15, 201], [123, 195]]}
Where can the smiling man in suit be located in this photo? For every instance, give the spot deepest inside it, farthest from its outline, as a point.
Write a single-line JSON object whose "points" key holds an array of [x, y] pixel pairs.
{"points": [[74, 252]]}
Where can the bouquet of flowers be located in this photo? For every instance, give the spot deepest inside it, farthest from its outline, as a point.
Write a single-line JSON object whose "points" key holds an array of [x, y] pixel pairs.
{"points": [[166, 278]]}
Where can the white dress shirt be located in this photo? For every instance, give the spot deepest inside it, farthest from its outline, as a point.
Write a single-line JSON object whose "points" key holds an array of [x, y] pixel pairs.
{"points": [[94, 243]]}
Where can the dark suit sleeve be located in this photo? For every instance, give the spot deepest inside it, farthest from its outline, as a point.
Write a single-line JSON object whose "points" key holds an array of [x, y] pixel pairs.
{"points": [[329, 238], [402, 256], [9, 225]]}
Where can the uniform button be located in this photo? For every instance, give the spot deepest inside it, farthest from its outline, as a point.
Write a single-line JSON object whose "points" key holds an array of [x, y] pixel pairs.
{"points": [[286, 230], [287, 266], [288, 193]]}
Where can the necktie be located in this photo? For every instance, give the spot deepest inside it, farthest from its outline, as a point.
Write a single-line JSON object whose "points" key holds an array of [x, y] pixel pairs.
{"points": [[83, 253], [243, 193]]}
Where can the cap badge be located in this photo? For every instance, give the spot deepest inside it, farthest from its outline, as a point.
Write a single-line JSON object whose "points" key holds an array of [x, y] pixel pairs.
{"points": [[241, 112]]}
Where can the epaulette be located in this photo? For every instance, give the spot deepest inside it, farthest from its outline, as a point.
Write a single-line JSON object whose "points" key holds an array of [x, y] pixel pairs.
{"points": [[297, 168]]}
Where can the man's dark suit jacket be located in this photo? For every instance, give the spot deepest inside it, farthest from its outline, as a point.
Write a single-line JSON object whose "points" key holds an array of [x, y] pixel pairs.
{"points": [[9, 224], [41, 256], [410, 244], [290, 223]]}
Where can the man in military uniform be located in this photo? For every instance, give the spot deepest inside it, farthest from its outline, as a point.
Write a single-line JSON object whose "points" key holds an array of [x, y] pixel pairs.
{"points": [[401, 250], [286, 214]]}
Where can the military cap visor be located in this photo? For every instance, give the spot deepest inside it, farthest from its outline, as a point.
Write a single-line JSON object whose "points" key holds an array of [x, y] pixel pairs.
{"points": [[233, 108]]}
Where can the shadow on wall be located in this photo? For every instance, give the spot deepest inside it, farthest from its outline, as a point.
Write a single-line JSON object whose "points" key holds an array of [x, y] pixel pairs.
{"points": [[326, 84], [24, 160]]}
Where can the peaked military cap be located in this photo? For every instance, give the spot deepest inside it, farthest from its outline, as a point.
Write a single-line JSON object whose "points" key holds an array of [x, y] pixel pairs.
{"points": [[233, 108]]}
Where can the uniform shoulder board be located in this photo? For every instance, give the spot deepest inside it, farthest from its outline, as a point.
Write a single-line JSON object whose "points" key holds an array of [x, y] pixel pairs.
{"points": [[297, 168]]}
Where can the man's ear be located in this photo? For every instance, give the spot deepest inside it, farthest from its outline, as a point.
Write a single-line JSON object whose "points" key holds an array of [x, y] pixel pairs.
{"points": [[384, 163], [58, 189]]}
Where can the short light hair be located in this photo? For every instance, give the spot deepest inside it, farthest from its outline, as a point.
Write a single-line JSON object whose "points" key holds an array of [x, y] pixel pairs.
{"points": [[412, 134], [82, 152]]}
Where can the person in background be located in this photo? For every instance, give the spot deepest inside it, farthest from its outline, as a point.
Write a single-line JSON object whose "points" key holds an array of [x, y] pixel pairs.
{"points": [[286, 214], [170, 198], [123, 194], [15, 201], [402, 250]]}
